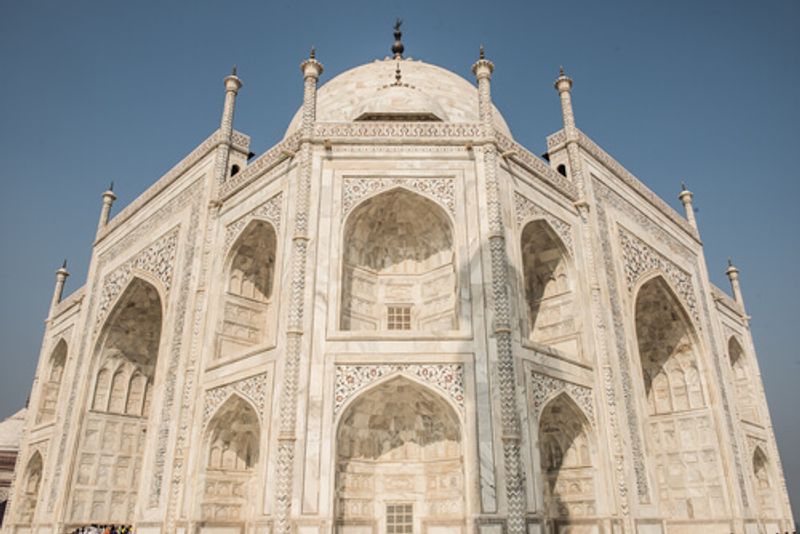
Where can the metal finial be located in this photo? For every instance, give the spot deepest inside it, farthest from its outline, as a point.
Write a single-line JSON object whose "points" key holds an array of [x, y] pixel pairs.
{"points": [[233, 70], [683, 185], [64, 265], [561, 70], [482, 53], [111, 185], [313, 53], [397, 47], [397, 74], [730, 262]]}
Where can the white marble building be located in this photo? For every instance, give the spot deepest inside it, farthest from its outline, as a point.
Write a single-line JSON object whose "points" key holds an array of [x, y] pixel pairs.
{"points": [[398, 320]]}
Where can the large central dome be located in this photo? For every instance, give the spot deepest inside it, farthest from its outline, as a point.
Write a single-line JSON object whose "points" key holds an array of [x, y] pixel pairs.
{"points": [[371, 92]]}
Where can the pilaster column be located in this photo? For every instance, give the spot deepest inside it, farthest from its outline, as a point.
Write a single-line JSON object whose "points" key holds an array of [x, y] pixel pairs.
{"points": [[515, 477], [108, 200], [58, 290], [686, 197], [733, 275], [312, 69]]}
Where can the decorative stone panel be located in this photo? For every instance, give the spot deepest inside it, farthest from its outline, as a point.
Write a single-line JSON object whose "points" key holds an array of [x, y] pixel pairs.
{"points": [[526, 210], [640, 258], [447, 378], [253, 388], [157, 259], [268, 211], [543, 387], [440, 189]]}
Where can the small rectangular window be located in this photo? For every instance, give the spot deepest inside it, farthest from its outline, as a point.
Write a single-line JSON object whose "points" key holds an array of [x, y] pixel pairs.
{"points": [[399, 519], [399, 318]]}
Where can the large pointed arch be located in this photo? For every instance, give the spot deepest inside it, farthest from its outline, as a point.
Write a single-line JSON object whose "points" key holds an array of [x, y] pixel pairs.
{"points": [[398, 267], [249, 286], [231, 451], [109, 457], [763, 482], [682, 448], [566, 460], [549, 288], [399, 459], [28, 493], [53, 374]]}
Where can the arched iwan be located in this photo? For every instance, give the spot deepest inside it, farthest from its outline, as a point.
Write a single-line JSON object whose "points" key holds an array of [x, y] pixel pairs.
{"points": [[399, 461], [742, 382], [398, 265], [231, 449], [247, 306], [682, 447], [566, 462], [53, 373], [109, 457], [28, 492], [549, 289]]}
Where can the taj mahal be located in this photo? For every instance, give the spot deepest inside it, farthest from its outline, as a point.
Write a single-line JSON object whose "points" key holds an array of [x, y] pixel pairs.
{"points": [[398, 320]]}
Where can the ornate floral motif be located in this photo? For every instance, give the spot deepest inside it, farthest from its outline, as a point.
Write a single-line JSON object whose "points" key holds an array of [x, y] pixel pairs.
{"points": [[268, 211], [526, 210], [253, 388], [421, 130], [556, 139], [543, 386], [446, 377], [157, 259], [441, 189], [640, 258]]}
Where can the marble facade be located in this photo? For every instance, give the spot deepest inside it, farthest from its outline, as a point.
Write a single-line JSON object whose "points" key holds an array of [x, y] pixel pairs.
{"points": [[398, 320]]}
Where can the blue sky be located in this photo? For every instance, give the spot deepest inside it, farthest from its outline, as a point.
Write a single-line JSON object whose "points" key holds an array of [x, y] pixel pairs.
{"points": [[705, 92]]}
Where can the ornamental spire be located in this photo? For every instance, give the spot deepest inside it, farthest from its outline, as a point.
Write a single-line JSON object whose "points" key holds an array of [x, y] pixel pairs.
{"points": [[397, 47]]}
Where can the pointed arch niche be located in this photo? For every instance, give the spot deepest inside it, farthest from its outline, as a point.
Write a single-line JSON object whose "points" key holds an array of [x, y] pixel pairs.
{"points": [[742, 382], [231, 453], [549, 289], [399, 462], [28, 493], [763, 484], [110, 446], [53, 374], [566, 462], [682, 447], [399, 268], [248, 309]]}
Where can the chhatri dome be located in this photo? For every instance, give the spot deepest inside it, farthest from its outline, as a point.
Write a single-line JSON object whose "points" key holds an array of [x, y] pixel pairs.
{"points": [[398, 320]]}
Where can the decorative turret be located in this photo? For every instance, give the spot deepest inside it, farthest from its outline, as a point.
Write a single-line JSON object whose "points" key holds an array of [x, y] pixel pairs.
{"points": [[108, 200], [58, 291], [686, 197], [482, 69], [733, 276], [312, 70], [232, 85], [563, 85]]}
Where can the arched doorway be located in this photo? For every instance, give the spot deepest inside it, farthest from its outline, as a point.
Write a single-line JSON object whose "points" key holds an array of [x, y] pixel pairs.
{"points": [[231, 454], [399, 463], [682, 444], [399, 265], [111, 444], [566, 462]]}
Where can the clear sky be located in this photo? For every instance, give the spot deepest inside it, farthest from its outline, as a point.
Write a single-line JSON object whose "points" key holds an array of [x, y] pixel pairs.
{"points": [[706, 92]]}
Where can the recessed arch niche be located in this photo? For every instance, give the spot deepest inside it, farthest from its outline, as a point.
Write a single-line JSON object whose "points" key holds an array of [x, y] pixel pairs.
{"points": [[109, 459], [682, 446], [53, 374], [231, 453], [29, 490], [399, 448], [742, 382], [763, 483], [398, 269], [549, 288], [566, 462], [249, 286]]}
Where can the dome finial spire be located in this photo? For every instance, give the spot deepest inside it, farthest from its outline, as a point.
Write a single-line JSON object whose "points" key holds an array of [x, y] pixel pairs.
{"points": [[397, 47]]}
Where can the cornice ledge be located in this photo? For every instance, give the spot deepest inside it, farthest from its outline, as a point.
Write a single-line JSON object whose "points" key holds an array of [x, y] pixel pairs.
{"points": [[634, 183], [202, 150], [522, 156], [75, 298]]}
